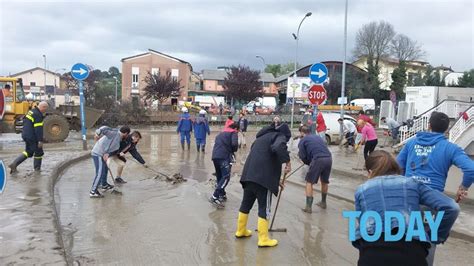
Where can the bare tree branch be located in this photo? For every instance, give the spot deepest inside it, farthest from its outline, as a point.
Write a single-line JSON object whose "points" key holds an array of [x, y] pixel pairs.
{"points": [[405, 49], [373, 40], [161, 87]]}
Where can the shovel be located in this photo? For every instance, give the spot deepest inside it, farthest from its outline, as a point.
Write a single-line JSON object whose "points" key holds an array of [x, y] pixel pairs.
{"points": [[114, 190]]}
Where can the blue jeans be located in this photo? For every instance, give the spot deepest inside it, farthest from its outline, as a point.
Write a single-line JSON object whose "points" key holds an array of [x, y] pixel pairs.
{"points": [[185, 135], [100, 172], [223, 168]]}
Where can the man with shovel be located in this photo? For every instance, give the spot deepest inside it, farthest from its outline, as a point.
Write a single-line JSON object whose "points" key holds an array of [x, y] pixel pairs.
{"points": [[129, 145], [261, 177], [314, 152]]}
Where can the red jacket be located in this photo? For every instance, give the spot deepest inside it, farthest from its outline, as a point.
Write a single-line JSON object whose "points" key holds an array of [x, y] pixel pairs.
{"points": [[320, 122]]}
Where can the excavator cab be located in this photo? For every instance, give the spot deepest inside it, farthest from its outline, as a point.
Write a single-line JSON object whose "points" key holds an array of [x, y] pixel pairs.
{"points": [[16, 105]]}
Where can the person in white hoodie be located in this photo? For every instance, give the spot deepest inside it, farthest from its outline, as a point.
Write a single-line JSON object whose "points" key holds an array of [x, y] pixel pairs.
{"points": [[108, 144]]}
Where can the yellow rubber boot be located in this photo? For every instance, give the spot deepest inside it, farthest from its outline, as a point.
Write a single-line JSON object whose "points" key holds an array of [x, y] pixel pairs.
{"points": [[242, 230], [263, 239]]}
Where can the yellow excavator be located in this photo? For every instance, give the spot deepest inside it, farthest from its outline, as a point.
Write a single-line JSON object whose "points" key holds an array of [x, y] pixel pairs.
{"points": [[57, 122]]}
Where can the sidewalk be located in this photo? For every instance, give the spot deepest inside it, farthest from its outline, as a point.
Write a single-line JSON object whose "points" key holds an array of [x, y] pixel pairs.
{"points": [[28, 225], [348, 174]]}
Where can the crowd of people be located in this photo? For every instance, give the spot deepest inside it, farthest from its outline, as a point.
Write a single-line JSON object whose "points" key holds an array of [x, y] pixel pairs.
{"points": [[414, 181]]}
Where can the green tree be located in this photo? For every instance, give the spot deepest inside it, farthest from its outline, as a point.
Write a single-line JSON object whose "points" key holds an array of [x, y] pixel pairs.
{"points": [[399, 80], [432, 77], [281, 69], [243, 84], [275, 69], [467, 79]]}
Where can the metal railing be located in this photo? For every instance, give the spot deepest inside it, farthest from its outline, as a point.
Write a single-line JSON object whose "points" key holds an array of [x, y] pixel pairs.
{"points": [[452, 108], [463, 123]]}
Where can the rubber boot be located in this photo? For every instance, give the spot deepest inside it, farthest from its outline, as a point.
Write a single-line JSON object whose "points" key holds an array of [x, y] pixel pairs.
{"points": [[16, 162], [263, 239], [189, 146], [37, 164], [203, 147], [309, 204], [198, 147], [182, 146], [322, 203], [242, 230]]}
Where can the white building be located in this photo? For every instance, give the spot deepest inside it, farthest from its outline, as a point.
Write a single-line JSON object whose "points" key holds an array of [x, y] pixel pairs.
{"points": [[39, 82]]}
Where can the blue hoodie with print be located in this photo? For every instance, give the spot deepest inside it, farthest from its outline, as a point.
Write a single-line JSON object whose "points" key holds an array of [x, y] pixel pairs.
{"points": [[428, 158]]}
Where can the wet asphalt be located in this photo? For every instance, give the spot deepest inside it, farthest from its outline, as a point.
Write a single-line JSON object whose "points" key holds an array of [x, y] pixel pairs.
{"points": [[155, 222]]}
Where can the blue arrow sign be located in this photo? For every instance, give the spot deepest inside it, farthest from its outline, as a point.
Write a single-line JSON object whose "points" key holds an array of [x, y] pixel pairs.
{"points": [[3, 177], [79, 71], [318, 73]]}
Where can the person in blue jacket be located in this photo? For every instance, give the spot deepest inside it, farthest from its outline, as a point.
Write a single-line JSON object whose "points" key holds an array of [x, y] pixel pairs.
{"points": [[429, 156], [386, 190], [201, 129], [314, 152], [185, 126]]}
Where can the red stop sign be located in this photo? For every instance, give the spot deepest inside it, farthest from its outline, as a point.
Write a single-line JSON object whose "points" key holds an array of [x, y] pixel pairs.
{"points": [[317, 94]]}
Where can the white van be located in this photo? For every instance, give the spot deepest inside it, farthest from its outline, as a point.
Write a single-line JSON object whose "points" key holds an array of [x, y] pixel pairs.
{"points": [[366, 104], [333, 127]]}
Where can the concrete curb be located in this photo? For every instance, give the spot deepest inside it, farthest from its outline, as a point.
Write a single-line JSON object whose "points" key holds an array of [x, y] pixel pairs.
{"points": [[453, 233], [363, 177], [58, 170]]}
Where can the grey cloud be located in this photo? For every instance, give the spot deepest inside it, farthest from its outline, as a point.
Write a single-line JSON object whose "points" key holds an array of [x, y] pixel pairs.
{"points": [[213, 33]]}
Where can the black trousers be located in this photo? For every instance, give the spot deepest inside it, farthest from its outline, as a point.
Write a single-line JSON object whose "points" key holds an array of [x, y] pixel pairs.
{"points": [[392, 253], [369, 147], [252, 192], [32, 149]]}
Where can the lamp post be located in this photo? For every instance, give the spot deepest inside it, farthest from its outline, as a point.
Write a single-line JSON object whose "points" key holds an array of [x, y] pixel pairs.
{"points": [[54, 92], [297, 37], [44, 72], [264, 66], [343, 85], [116, 99]]}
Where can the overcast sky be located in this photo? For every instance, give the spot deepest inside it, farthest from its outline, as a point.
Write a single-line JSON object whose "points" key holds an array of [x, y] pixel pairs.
{"points": [[214, 33]]}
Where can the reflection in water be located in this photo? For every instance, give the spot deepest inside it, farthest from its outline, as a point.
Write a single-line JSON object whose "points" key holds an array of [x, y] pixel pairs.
{"points": [[218, 240], [312, 246]]}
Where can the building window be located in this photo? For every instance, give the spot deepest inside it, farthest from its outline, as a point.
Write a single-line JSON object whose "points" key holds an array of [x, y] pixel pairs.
{"points": [[175, 73], [32, 83], [220, 82], [266, 84], [155, 71], [135, 76]]}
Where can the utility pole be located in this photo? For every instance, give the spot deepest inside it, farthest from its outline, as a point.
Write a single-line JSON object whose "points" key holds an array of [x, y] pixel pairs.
{"points": [[343, 85], [44, 72]]}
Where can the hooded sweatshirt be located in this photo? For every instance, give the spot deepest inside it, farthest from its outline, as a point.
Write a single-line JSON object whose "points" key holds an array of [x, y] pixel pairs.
{"points": [[428, 158], [109, 142]]}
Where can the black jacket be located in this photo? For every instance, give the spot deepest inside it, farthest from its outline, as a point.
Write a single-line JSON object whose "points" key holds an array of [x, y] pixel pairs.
{"points": [[33, 125], [268, 153], [127, 145], [243, 123], [225, 145]]}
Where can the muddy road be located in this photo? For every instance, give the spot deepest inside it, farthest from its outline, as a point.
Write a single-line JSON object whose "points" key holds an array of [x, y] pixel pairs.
{"points": [[155, 222]]}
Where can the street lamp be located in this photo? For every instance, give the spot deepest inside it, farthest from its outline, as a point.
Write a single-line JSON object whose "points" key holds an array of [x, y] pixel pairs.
{"points": [[343, 85], [44, 72], [264, 66], [54, 92], [296, 37], [116, 99]]}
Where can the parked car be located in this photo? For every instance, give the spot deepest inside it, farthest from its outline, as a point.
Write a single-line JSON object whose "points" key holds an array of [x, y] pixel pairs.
{"points": [[333, 127]]}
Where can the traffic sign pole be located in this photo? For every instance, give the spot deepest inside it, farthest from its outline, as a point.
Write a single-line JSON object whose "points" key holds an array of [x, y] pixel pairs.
{"points": [[83, 116], [80, 72]]}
